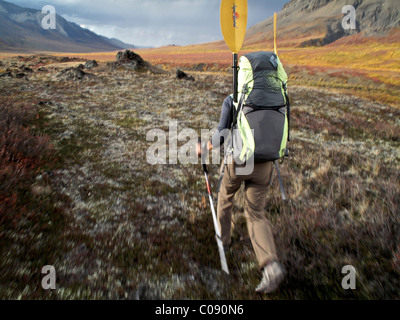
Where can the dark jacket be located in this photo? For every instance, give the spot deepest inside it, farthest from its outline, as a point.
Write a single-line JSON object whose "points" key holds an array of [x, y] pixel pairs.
{"points": [[225, 122]]}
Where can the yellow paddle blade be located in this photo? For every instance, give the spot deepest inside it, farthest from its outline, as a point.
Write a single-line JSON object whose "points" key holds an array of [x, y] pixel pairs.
{"points": [[275, 49], [234, 23]]}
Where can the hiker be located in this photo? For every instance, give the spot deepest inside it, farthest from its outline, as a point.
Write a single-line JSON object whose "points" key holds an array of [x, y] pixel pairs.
{"points": [[256, 187]]}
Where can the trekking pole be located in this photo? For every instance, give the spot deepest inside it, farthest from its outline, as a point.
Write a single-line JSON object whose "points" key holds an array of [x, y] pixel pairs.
{"points": [[287, 101], [280, 180], [224, 264]]}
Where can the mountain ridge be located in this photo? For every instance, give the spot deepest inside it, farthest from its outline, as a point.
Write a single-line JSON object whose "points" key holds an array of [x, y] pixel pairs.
{"points": [[21, 30], [319, 22]]}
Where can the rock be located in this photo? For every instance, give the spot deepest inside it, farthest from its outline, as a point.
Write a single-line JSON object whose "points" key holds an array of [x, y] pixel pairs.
{"points": [[182, 75], [128, 56], [73, 73], [133, 66], [79, 74], [129, 60], [91, 64], [6, 74], [26, 69]]}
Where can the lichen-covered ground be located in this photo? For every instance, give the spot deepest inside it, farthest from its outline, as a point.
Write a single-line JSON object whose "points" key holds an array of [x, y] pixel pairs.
{"points": [[116, 227]]}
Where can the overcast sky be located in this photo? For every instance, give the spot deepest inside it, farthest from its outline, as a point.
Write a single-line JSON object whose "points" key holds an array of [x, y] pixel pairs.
{"points": [[153, 22]]}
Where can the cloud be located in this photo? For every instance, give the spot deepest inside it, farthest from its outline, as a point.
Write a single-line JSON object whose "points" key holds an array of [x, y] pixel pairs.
{"points": [[153, 22]]}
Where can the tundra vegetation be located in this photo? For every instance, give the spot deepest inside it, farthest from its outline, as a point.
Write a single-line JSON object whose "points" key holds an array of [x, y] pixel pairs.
{"points": [[76, 191]]}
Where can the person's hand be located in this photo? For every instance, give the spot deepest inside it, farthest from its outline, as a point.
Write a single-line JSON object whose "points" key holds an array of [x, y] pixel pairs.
{"points": [[199, 148], [209, 145]]}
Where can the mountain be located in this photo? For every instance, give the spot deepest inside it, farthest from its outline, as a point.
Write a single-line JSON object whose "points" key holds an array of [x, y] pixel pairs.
{"points": [[118, 43], [21, 30], [319, 22]]}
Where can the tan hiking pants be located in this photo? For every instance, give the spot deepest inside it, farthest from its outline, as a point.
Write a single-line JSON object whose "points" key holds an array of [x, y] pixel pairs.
{"points": [[256, 187]]}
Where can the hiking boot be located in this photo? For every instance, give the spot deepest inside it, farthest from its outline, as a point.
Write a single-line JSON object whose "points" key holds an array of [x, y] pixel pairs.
{"points": [[273, 274]]}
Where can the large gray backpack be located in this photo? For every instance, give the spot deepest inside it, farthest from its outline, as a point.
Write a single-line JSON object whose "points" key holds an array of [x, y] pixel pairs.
{"points": [[263, 108]]}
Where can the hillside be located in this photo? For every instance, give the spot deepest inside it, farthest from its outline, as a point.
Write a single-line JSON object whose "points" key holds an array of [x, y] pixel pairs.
{"points": [[21, 31], [319, 22]]}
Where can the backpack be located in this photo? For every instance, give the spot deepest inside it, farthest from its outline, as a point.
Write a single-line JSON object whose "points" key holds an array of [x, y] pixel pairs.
{"points": [[263, 107]]}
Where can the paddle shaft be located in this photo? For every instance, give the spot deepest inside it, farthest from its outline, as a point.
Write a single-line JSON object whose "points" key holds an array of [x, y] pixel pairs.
{"points": [[235, 69], [275, 47]]}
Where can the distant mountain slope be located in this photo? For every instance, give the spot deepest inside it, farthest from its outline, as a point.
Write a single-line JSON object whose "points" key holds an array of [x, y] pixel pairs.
{"points": [[21, 30], [319, 22]]}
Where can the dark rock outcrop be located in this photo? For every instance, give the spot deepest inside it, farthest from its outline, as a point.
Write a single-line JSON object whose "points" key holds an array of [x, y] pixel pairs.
{"points": [[73, 73], [129, 56], [182, 75], [130, 60], [6, 74], [91, 64], [26, 69]]}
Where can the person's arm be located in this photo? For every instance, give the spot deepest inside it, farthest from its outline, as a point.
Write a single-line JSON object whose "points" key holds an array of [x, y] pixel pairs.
{"points": [[225, 122]]}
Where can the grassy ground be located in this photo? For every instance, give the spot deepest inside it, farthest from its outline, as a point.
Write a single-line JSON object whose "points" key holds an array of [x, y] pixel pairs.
{"points": [[116, 227]]}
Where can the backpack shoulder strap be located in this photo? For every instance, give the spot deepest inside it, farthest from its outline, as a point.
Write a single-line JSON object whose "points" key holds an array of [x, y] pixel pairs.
{"points": [[284, 85], [239, 106]]}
